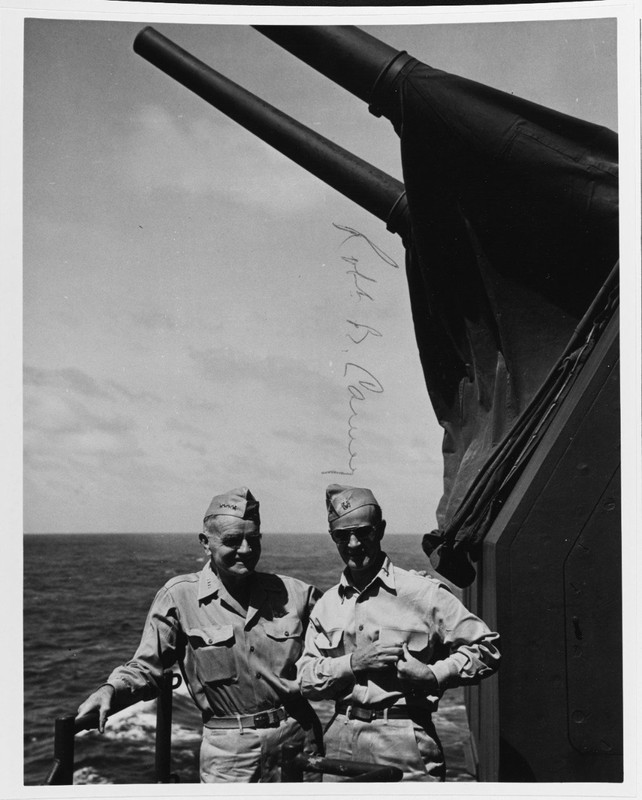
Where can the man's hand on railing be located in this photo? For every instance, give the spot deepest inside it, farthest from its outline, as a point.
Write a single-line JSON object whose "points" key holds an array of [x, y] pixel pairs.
{"points": [[100, 701]]}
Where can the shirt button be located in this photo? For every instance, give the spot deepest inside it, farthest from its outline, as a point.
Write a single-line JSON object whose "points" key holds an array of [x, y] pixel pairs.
{"points": [[287, 633], [360, 627], [251, 648], [258, 675], [210, 641]]}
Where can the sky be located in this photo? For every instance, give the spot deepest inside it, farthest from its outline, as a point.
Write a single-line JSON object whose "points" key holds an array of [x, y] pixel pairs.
{"points": [[188, 302]]}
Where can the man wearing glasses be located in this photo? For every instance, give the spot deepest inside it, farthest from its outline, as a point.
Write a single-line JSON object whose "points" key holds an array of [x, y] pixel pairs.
{"points": [[236, 635], [385, 644]]}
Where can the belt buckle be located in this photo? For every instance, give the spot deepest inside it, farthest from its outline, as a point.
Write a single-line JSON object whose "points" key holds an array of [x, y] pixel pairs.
{"points": [[363, 714], [266, 719]]}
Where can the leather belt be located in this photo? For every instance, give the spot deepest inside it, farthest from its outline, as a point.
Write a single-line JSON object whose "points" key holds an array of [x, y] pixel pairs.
{"points": [[368, 713], [264, 719]]}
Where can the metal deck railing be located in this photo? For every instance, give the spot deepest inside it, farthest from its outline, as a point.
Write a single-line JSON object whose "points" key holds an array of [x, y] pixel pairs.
{"points": [[66, 728], [294, 763]]}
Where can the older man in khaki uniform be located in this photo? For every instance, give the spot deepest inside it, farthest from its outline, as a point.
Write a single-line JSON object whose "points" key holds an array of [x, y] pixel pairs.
{"points": [[385, 644], [236, 635]]}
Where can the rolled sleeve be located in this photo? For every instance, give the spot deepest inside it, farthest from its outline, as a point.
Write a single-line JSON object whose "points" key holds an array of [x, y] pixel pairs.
{"points": [[320, 675], [139, 678], [472, 646]]}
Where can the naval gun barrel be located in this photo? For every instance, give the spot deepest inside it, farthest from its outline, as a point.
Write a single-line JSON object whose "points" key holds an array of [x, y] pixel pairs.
{"points": [[365, 184], [345, 54]]}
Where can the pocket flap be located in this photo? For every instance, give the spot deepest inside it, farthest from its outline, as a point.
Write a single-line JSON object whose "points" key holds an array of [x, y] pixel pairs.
{"points": [[415, 639], [212, 634], [289, 627], [329, 640]]}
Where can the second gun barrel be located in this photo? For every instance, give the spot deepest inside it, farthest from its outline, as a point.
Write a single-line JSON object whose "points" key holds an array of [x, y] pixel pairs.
{"points": [[365, 184]]}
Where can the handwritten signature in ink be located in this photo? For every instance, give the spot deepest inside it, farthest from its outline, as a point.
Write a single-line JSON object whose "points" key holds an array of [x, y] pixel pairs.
{"points": [[361, 381]]}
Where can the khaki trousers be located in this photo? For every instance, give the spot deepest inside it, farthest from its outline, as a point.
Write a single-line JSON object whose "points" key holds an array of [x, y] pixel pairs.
{"points": [[413, 746], [254, 756]]}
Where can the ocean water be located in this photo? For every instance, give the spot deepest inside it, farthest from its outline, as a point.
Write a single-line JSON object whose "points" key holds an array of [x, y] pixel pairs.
{"points": [[85, 601]]}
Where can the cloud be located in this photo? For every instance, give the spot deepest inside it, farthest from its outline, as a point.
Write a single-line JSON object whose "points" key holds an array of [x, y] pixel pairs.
{"points": [[268, 392], [50, 416], [155, 320], [65, 379], [314, 439], [179, 425], [211, 156], [69, 417], [206, 406], [72, 381], [144, 396], [199, 449], [285, 375]]}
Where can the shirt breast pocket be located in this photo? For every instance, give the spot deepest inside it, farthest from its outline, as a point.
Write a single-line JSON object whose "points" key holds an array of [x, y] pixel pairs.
{"points": [[213, 648], [331, 643], [283, 629], [418, 641]]}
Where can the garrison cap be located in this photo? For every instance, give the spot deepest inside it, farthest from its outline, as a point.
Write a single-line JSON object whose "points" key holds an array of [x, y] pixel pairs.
{"points": [[340, 500], [239, 503]]}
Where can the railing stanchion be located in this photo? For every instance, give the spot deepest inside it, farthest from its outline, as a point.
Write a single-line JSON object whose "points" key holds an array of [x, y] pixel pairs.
{"points": [[163, 750], [291, 771], [62, 772]]}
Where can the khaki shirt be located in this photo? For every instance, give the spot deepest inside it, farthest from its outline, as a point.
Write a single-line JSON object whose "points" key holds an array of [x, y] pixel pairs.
{"points": [[395, 606], [224, 653]]}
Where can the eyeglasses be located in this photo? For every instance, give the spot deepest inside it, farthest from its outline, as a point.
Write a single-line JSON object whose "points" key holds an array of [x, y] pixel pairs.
{"points": [[235, 540], [344, 535]]}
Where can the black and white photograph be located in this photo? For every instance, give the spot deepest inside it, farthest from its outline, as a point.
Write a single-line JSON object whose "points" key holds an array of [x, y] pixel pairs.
{"points": [[321, 456]]}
